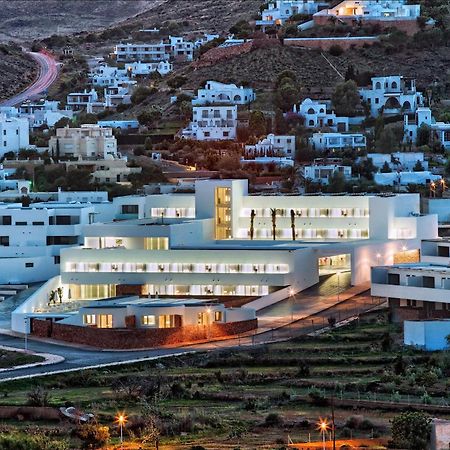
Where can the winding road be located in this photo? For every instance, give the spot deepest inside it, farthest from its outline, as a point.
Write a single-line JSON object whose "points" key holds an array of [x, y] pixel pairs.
{"points": [[48, 72]]}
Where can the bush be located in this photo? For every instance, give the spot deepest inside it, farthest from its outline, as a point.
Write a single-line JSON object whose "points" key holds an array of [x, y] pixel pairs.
{"points": [[38, 396], [273, 420], [336, 50], [93, 436]]}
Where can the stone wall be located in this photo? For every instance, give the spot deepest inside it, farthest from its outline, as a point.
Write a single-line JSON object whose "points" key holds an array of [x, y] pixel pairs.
{"points": [[408, 26], [326, 44], [398, 314], [121, 338]]}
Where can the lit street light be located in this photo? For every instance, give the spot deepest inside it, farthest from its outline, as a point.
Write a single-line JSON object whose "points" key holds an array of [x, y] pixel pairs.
{"points": [[121, 420], [323, 427]]}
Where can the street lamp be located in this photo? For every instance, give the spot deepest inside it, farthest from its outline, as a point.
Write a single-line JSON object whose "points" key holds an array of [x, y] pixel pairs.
{"points": [[26, 333], [121, 420], [323, 427], [292, 295]]}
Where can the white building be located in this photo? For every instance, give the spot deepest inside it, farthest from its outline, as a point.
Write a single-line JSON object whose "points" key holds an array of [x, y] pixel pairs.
{"points": [[212, 123], [219, 242], [221, 93], [398, 161], [330, 141], [87, 141], [392, 95], [272, 145], [176, 48], [78, 101], [13, 185], [279, 11], [131, 124], [32, 237], [389, 11], [318, 114], [205, 39], [428, 335], [322, 172], [424, 116], [418, 291], [404, 178], [14, 134]]}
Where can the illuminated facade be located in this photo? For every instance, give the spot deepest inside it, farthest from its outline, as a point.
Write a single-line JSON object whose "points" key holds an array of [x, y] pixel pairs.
{"points": [[223, 242]]}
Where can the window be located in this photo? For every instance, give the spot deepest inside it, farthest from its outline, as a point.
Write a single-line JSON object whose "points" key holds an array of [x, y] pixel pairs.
{"points": [[207, 134], [105, 321], [218, 316], [21, 223], [5, 220], [89, 319], [169, 321], [130, 209], [226, 133], [4, 240], [148, 320], [57, 259], [28, 265], [38, 223]]}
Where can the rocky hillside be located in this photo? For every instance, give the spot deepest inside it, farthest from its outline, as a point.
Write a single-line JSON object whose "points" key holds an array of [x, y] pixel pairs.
{"points": [[17, 70], [31, 19]]}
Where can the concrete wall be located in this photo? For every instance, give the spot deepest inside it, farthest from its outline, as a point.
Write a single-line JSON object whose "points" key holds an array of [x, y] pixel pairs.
{"points": [[429, 335], [326, 43]]}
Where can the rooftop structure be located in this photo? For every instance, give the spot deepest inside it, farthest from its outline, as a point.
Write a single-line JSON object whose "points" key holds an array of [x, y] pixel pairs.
{"points": [[330, 141], [221, 93]]}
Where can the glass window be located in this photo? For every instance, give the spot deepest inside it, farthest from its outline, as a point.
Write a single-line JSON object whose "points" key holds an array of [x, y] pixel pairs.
{"points": [[148, 320], [105, 321], [218, 316], [89, 319]]}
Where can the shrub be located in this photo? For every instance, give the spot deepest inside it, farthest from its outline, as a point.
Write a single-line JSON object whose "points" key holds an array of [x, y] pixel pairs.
{"points": [[336, 50], [93, 436], [38, 396], [273, 420]]}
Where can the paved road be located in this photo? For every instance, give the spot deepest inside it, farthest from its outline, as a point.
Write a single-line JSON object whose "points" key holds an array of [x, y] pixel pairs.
{"points": [[48, 72], [78, 358]]}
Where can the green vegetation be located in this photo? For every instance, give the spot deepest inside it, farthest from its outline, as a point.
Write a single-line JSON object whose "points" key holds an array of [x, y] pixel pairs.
{"points": [[11, 358], [260, 394]]}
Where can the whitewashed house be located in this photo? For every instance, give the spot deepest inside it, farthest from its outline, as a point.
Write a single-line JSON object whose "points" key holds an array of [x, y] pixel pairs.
{"points": [[279, 11], [78, 101], [404, 178], [330, 141], [221, 93], [398, 160], [272, 145], [322, 172], [14, 134], [318, 114], [392, 95], [212, 123], [424, 116]]}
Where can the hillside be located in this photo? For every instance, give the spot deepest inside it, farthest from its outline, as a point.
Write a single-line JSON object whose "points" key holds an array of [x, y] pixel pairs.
{"points": [[30, 19], [17, 70]]}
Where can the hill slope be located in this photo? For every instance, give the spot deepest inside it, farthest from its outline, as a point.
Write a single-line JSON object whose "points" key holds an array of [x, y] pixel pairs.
{"points": [[17, 70], [30, 19]]}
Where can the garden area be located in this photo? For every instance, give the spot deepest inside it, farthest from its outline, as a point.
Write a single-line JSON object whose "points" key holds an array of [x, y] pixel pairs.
{"points": [[245, 398]]}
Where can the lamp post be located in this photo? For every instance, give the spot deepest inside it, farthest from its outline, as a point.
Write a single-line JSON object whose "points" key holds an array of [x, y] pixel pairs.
{"points": [[26, 333], [323, 427], [292, 295], [121, 420]]}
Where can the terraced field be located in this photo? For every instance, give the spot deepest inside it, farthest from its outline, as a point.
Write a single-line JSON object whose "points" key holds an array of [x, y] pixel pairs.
{"points": [[257, 397]]}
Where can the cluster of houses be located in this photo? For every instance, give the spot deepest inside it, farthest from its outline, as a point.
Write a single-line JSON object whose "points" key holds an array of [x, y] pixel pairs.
{"points": [[385, 14]]}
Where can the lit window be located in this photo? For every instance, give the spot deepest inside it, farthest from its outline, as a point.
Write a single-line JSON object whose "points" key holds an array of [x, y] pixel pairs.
{"points": [[105, 321], [89, 319], [218, 316], [148, 320]]}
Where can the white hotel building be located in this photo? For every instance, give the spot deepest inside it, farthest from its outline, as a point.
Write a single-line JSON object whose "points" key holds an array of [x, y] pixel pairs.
{"points": [[218, 242]]}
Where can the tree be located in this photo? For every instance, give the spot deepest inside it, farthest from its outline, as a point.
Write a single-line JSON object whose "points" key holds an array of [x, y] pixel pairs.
{"points": [[336, 182], [38, 396], [140, 94], [293, 224], [149, 116], [273, 213], [252, 223], [257, 124], [176, 81], [286, 94], [93, 436], [389, 139], [411, 430], [280, 122], [346, 98], [186, 110], [418, 167], [423, 135], [386, 168]]}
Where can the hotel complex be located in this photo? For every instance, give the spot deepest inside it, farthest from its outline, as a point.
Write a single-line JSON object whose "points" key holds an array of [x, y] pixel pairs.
{"points": [[222, 243]]}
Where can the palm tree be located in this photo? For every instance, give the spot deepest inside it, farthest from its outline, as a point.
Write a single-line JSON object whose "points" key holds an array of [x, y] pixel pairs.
{"points": [[293, 224], [273, 213], [252, 223]]}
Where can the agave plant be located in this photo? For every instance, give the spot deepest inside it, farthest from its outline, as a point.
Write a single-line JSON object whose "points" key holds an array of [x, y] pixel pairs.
{"points": [[252, 223], [273, 213], [293, 224]]}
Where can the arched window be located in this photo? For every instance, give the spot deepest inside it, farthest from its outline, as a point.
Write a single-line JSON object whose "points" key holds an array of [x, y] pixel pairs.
{"points": [[322, 110], [394, 85], [311, 111], [377, 85], [406, 106], [311, 123], [237, 98]]}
